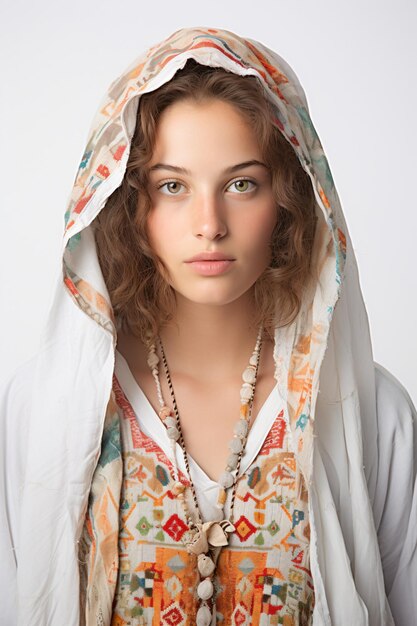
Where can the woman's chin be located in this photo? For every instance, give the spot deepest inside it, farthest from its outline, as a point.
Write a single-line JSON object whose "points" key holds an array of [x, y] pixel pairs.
{"points": [[213, 296]]}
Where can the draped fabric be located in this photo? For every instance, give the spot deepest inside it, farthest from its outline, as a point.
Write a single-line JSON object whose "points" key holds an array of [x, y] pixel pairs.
{"points": [[324, 369]]}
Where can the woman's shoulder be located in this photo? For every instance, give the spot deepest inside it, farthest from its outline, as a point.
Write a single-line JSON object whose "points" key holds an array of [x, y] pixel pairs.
{"points": [[395, 497], [396, 411]]}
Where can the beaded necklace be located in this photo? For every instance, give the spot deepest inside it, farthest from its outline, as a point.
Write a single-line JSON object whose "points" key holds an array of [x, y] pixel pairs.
{"points": [[207, 538]]}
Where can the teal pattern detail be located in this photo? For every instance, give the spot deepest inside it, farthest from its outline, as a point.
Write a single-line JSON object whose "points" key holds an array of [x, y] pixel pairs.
{"points": [[254, 477], [302, 421], [85, 159], [297, 517], [110, 447], [162, 475], [73, 242]]}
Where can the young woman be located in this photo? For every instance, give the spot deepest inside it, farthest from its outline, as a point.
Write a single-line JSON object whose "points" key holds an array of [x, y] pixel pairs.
{"points": [[204, 437]]}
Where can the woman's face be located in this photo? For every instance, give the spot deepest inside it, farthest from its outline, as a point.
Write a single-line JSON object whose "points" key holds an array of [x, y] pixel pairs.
{"points": [[205, 199]]}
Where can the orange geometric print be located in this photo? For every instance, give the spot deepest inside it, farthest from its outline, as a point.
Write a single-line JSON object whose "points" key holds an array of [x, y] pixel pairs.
{"points": [[265, 569]]}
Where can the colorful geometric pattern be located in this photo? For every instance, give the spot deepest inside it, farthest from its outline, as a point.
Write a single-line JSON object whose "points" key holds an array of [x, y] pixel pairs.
{"points": [[263, 575]]}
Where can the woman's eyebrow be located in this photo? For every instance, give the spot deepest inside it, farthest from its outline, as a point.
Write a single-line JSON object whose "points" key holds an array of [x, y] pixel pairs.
{"points": [[228, 170]]}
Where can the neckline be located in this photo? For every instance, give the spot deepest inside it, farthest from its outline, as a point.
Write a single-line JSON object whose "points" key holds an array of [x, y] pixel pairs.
{"points": [[150, 423]]}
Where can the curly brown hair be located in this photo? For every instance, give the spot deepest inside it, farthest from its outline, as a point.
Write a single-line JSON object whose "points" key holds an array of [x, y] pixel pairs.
{"points": [[142, 299]]}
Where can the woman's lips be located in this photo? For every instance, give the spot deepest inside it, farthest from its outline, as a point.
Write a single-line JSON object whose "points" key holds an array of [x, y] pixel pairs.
{"points": [[210, 268]]}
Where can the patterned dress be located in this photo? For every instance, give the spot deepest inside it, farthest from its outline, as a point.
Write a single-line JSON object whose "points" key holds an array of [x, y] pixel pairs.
{"points": [[262, 576]]}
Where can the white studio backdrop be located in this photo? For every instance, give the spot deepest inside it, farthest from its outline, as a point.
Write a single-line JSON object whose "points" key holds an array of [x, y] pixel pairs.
{"points": [[356, 60]]}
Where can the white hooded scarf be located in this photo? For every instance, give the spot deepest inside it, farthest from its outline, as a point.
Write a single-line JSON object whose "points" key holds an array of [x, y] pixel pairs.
{"points": [[354, 424]]}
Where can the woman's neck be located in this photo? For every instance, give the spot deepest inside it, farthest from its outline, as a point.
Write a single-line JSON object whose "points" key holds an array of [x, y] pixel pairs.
{"points": [[212, 343], [215, 341]]}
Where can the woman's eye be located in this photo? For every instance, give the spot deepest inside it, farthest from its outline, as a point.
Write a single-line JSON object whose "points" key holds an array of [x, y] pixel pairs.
{"points": [[242, 184], [171, 183]]}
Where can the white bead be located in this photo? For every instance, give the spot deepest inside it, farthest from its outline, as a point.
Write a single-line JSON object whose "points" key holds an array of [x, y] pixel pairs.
{"points": [[205, 589], [173, 433], [249, 375], [170, 422], [232, 460], [236, 445], [241, 428], [203, 617], [253, 359], [226, 480], [205, 565], [246, 391], [153, 360]]}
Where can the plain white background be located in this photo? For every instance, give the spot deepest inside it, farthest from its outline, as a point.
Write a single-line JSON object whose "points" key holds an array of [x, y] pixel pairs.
{"points": [[356, 60]]}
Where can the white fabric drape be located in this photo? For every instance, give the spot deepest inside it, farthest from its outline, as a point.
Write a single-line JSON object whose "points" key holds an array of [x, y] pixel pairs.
{"points": [[356, 435]]}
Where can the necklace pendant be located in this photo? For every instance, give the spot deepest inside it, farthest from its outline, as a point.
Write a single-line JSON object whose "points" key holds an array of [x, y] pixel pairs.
{"points": [[205, 589], [204, 616], [218, 532], [205, 565], [198, 544], [212, 534]]}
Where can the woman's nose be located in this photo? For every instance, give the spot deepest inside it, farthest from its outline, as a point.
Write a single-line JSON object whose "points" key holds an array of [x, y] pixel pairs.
{"points": [[208, 215]]}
